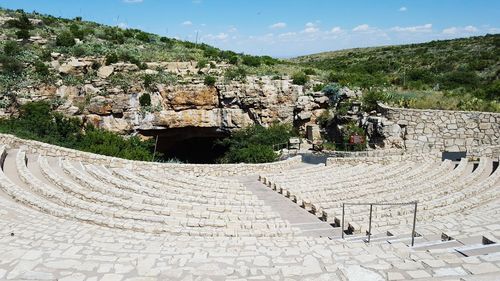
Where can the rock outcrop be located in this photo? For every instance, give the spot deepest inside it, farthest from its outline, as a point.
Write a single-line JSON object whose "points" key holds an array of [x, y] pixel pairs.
{"points": [[187, 102]]}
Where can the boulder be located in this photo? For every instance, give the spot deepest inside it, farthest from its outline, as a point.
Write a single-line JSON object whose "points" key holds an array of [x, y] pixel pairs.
{"points": [[100, 105], [105, 71]]}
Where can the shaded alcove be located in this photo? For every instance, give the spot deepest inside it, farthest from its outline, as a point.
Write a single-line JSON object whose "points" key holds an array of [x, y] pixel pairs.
{"points": [[190, 144]]}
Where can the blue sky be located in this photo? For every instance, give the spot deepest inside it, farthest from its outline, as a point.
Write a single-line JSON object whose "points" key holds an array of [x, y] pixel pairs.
{"points": [[285, 28]]}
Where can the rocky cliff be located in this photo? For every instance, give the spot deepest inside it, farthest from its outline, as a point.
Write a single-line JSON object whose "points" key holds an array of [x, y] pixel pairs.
{"points": [[182, 100]]}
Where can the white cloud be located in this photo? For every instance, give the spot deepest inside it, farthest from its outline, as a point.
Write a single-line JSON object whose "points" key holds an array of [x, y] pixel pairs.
{"points": [[221, 36], [336, 30], [403, 9], [362, 27], [187, 23], [470, 28], [133, 1], [418, 28], [287, 34], [460, 30], [310, 28], [232, 29], [278, 25], [450, 30]]}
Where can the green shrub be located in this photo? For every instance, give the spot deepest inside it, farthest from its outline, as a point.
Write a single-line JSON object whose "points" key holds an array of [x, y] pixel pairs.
{"points": [[148, 81], [318, 87], [251, 61], [309, 71], [22, 22], [202, 63], [235, 74], [76, 31], [11, 48], [11, 65], [111, 58], [254, 144], [324, 119], [210, 80], [37, 121], [370, 99], [145, 100], [41, 68], [65, 39], [142, 36], [23, 34], [233, 59], [210, 52], [300, 78]]}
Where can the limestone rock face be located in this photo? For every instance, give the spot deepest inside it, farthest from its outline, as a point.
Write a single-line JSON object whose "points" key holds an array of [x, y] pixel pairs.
{"points": [[189, 97], [189, 102]]}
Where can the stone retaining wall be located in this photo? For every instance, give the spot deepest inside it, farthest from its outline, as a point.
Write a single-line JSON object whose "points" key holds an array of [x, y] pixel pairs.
{"points": [[445, 129], [41, 148]]}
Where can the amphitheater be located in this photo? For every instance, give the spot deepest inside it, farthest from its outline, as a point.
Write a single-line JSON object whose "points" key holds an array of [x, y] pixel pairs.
{"points": [[71, 215]]}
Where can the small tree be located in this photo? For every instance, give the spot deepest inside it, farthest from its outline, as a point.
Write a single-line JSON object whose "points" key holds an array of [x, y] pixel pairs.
{"points": [[145, 99], [23, 34], [65, 39], [210, 80]]}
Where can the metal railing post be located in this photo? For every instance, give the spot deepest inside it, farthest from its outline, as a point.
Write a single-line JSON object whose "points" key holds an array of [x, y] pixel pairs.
{"points": [[370, 223], [414, 223], [343, 209]]}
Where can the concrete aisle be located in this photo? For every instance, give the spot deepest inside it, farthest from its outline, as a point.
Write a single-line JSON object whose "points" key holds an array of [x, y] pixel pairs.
{"points": [[298, 217]]}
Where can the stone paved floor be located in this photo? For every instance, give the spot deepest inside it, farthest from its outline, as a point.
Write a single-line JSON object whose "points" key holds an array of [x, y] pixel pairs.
{"points": [[298, 217]]}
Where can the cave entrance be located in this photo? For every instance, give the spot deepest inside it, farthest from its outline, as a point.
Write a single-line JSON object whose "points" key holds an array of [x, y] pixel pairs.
{"points": [[190, 144]]}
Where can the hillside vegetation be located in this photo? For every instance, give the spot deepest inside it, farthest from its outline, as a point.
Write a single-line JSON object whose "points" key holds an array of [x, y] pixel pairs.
{"points": [[461, 73]]}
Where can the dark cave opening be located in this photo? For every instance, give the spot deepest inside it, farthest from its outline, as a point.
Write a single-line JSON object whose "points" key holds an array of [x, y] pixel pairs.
{"points": [[190, 144]]}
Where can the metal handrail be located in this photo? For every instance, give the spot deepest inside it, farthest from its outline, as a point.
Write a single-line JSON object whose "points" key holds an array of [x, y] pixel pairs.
{"points": [[370, 218]]}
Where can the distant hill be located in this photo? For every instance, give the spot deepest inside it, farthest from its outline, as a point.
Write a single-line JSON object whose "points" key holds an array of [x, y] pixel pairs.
{"points": [[467, 64]]}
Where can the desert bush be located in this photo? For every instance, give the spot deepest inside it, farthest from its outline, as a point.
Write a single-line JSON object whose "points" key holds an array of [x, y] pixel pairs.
{"points": [[300, 78], [11, 65], [23, 34], [235, 74], [22, 22], [77, 31], [324, 119], [65, 39], [318, 87], [142, 36], [254, 144], [202, 63], [111, 58], [309, 71], [41, 68], [251, 61], [209, 80], [11, 48], [145, 99]]}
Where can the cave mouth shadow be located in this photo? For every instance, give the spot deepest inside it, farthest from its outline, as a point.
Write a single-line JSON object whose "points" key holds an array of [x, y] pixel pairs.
{"points": [[190, 144]]}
